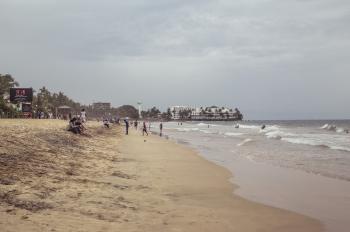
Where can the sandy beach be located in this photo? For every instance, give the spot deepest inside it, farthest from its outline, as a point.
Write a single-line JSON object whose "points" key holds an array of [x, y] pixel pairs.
{"points": [[52, 180]]}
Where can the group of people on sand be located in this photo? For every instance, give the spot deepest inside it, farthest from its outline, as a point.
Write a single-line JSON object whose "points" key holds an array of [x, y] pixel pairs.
{"points": [[145, 128], [76, 124]]}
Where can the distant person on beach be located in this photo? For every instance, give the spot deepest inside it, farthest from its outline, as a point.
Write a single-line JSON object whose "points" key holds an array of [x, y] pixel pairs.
{"points": [[83, 115], [135, 124], [80, 125], [74, 126], [144, 129], [106, 123], [126, 126], [161, 129]]}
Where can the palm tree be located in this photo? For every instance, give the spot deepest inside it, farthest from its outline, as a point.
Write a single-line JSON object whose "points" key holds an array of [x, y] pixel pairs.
{"points": [[6, 82]]}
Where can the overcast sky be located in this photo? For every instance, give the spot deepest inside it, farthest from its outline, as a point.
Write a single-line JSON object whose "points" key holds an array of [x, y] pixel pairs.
{"points": [[273, 59]]}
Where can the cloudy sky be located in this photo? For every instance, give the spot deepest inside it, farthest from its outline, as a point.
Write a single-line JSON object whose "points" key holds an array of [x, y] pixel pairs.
{"points": [[273, 59]]}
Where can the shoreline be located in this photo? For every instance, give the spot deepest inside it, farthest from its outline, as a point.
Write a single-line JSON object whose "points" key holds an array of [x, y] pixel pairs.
{"points": [[110, 182], [245, 211], [277, 186]]}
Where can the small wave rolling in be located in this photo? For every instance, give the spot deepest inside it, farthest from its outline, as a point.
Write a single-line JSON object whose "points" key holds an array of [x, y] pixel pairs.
{"points": [[321, 147]]}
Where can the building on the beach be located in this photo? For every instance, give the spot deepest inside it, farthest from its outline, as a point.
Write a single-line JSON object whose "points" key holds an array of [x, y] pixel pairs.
{"points": [[63, 112], [212, 113], [177, 111]]}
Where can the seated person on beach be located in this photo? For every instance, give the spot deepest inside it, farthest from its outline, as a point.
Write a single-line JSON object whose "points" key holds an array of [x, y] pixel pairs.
{"points": [[75, 126], [79, 123], [106, 123]]}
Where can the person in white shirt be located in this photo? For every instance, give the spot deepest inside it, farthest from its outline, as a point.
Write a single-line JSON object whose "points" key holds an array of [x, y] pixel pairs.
{"points": [[83, 115]]}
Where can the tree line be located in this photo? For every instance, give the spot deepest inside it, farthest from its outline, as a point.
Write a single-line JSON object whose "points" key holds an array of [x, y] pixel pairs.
{"points": [[155, 113], [48, 102], [43, 100]]}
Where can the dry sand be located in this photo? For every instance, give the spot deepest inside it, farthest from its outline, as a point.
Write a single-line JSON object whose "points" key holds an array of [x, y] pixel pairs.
{"points": [[52, 180]]}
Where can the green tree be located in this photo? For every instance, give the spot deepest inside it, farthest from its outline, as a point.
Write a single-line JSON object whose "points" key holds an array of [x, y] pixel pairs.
{"points": [[185, 114], [127, 111], [239, 114], [43, 100], [153, 112], [6, 82], [168, 114]]}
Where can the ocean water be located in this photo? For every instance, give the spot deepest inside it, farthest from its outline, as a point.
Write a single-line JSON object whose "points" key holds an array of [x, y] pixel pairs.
{"points": [[302, 166], [318, 147]]}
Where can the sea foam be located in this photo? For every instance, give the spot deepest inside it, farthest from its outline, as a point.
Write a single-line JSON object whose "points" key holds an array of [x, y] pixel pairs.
{"points": [[233, 134], [244, 142]]}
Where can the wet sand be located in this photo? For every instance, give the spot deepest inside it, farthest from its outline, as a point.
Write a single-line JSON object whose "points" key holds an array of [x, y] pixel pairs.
{"points": [[320, 197], [52, 180]]}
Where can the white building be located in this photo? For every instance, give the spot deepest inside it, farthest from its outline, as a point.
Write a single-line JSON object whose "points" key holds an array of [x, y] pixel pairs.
{"points": [[175, 111], [204, 113]]}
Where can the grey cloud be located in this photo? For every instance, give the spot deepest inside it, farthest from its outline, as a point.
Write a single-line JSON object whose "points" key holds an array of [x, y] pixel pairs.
{"points": [[272, 58]]}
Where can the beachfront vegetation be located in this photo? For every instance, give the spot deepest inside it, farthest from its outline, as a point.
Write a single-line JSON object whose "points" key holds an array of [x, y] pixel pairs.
{"points": [[212, 113], [185, 114], [127, 111], [46, 102], [155, 114], [50, 104], [6, 82], [43, 101], [151, 113]]}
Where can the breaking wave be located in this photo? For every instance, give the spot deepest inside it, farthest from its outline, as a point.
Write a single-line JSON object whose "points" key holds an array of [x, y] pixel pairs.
{"points": [[319, 140], [274, 135], [249, 126], [334, 128], [278, 134], [233, 134], [202, 124], [207, 131], [311, 142], [205, 124], [186, 129], [244, 142]]}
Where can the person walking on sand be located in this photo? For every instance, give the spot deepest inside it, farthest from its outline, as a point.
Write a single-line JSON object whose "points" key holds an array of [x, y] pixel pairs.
{"points": [[160, 129], [144, 129], [126, 126]]}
